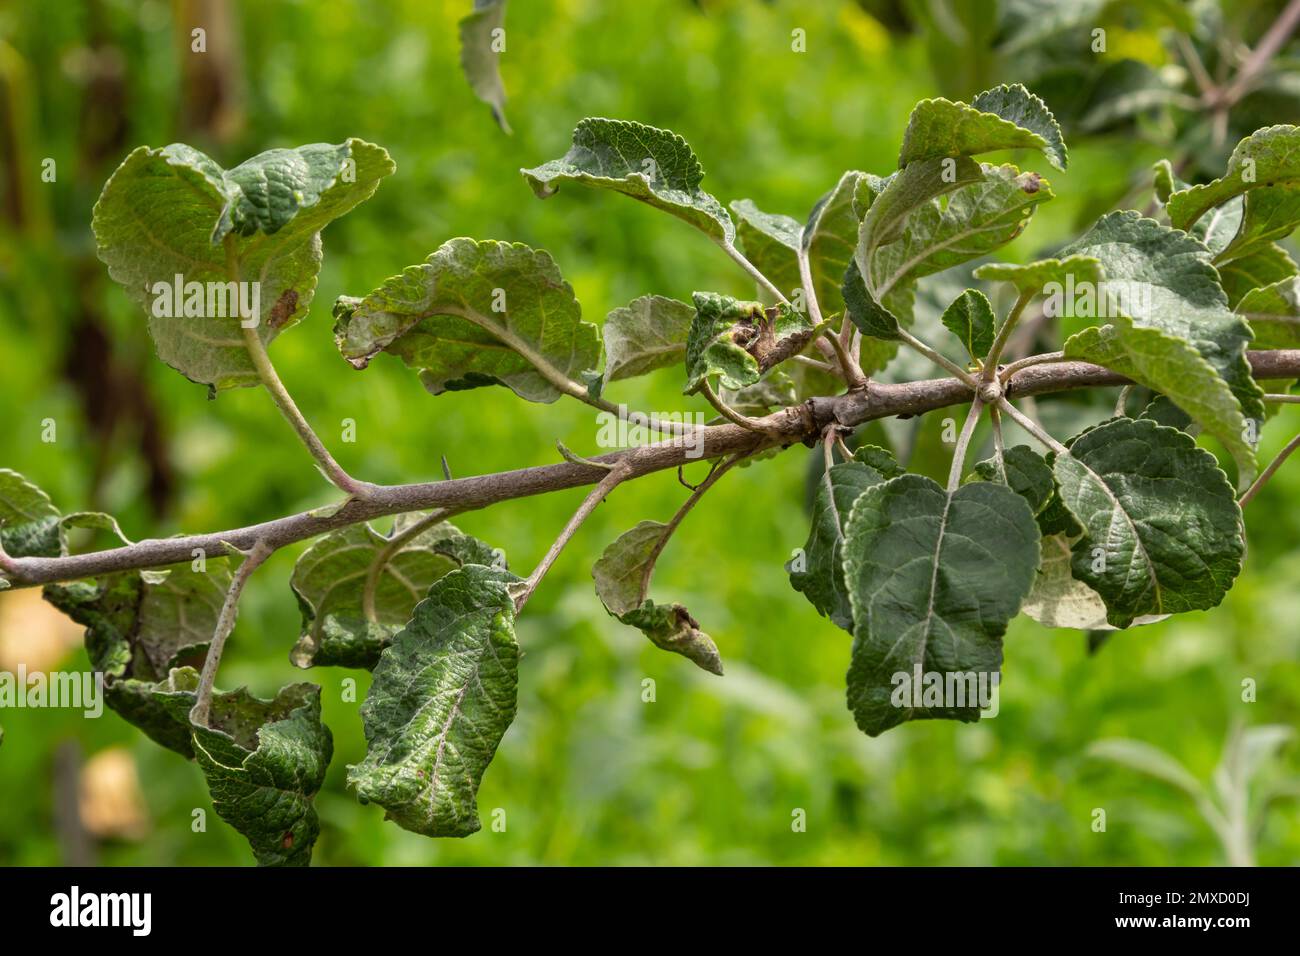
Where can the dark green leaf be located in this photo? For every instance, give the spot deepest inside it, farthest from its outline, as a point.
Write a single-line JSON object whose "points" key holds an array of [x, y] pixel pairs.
{"points": [[970, 318], [818, 572], [934, 578], [1163, 532], [264, 761], [653, 165], [357, 588]]}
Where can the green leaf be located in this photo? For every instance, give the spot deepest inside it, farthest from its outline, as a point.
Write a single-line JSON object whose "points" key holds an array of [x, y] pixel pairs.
{"points": [[1264, 158], [476, 313], [622, 573], [443, 695], [670, 627], [818, 572], [1172, 329], [829, 238], [357, 588], [978, 218], [140, 627], [1163, 532], [774, 390], [772, 242], [1028, 475], [885, 221], [653, 165], [1268, 265], [868, 315], [1271, 213], [646, 334], [478, 60], [1165, 181], [970, 318], [934, 578], [1274, 314], [29, 522], [1044, 275], [174, 212], [736, 342], [1058, 598], [264, 761], [1005, 117]]}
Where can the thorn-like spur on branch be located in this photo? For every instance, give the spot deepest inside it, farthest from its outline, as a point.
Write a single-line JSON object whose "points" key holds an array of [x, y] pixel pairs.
{"points": [[796, 424], [258, 553]]}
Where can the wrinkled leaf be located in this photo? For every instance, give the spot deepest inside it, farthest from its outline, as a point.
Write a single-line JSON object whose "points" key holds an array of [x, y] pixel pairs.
{"points": [[1162, 528], [174, 212], [622, 574], [1005, 117], [357, 588], [443, 696], [264, 761], [653, 165], [735, 341], [476, 313]]}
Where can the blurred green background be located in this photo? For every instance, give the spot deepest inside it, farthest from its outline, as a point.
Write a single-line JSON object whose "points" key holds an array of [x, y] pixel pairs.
{"points": [[713, 770]]}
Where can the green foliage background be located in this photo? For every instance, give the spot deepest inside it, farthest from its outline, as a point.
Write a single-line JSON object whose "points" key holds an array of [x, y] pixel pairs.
{"points": [[710, 772]]}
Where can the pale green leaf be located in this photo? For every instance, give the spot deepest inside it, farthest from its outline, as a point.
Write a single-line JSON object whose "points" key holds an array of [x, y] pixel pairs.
{"points": [[29, 522], [478, 58], [622, 574], [1264, 158], [1274, 314], [173, 212], [1266, 266], [1270, 214], [977, 218], [1046, 276], [476, 313], [646, 334]]}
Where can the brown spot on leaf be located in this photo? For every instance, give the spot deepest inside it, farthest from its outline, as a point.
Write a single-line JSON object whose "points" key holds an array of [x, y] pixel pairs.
{"points": [[1030, 183], [284, 308], [286, 841]]}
